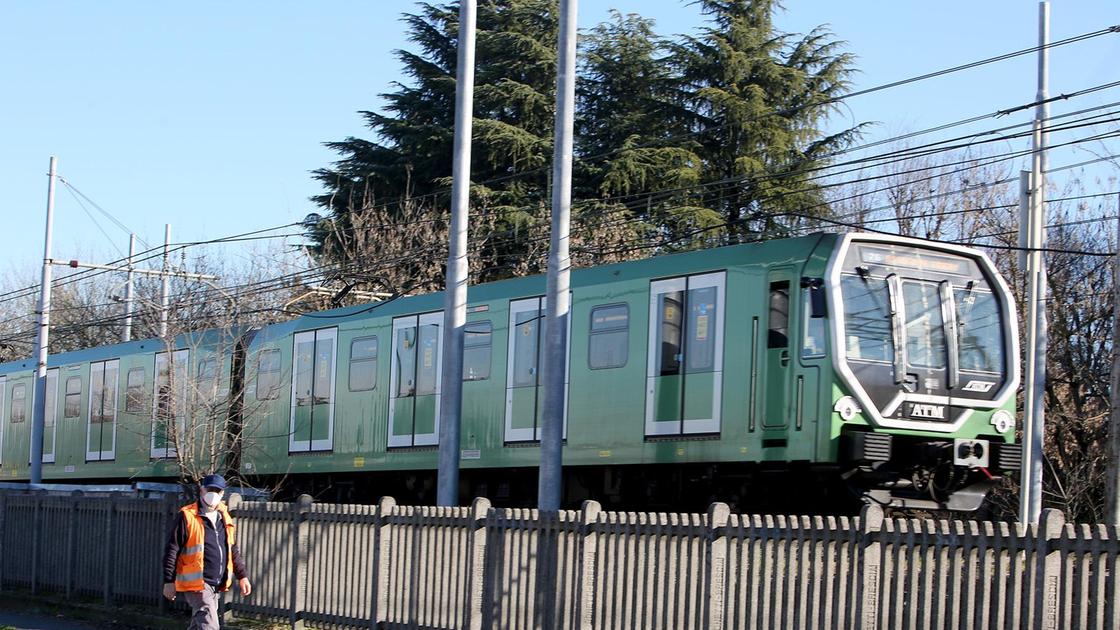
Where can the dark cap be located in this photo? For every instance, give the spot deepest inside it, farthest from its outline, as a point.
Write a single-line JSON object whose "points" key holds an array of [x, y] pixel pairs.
{"points": [[213, 481]]}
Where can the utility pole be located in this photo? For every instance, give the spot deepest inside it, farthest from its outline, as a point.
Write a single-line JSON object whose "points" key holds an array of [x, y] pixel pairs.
{"points": [[1113, 481], [127, 336], [39, 405], [559, 267], [1025, 261], [165, 288], [1030, 505], [455, 289]]}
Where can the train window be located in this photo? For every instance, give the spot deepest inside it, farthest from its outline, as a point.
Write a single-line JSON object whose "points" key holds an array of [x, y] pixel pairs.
{"points": [[812, 338], [363, 364], [867, 325], [169, 402], [476, 351], [101, 432], [208, 379], [19, 403], [404, 351], [268, 374], [779, 315], [701, 341], [670, 310], [72, 406], [981, 345], [134, 394], [608, 342], [925, 331], [427, 374], [527, 347], [50, 410]]}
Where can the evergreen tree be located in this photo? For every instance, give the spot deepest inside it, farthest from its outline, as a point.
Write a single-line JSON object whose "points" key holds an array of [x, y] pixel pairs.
{"points": [[408, 165], [755, 99], [686, 144]]}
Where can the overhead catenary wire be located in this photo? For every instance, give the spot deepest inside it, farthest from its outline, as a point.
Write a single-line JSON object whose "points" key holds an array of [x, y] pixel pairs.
{"points": [[155, 251], [78, 276]]}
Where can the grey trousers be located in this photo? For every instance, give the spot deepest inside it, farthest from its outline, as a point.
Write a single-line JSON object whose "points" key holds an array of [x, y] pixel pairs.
{"points": [[204, 609]]}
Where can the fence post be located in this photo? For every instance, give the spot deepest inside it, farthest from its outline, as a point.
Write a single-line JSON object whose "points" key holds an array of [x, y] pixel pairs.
{"points": [[480, 508], [299, 536], [381, 561], [718, 516], [588, 518], [3, 520], [168, 503], [1049, 570], [71, 540], [871, 522], [37, 525], [225, 610], [107, 560]]}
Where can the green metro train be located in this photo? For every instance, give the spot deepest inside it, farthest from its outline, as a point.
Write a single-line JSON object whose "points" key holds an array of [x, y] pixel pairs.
{"points": [[830, 362]]}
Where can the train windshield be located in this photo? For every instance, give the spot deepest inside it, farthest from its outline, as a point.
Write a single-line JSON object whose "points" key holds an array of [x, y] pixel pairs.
{"points": [[872, 337], [923, 326]]}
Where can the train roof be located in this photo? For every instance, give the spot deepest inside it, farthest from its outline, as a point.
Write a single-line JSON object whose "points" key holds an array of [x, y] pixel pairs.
{"points": [[194, 339], [791, 249], [768, 252]]}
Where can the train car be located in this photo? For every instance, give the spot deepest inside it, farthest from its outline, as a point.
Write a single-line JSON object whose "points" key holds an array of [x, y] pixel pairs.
{"points": [[785, 370], [888, 361], [108, 410]]}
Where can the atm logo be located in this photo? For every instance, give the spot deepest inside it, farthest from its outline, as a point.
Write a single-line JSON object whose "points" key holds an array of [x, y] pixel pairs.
{"points": [[978, 386], [933, 412]]}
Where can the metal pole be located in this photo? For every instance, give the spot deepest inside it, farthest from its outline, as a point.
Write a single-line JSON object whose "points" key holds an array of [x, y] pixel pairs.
{"points": [[1025, 266], [165, 289], [39, 405], [128, 297], [455, 293], [555, 362], [1036, 378], [1113, 487]]}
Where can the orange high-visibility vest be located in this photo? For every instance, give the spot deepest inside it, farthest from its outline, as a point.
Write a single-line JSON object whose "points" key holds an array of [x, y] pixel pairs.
{"points": [[191, 562]]}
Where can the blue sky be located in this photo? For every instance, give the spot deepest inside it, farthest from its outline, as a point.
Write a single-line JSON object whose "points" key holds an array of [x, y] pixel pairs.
{"points": [[210, 115]]}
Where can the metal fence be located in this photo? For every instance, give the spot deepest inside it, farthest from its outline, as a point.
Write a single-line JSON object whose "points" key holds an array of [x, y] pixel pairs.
{"points": [[390, 566]]}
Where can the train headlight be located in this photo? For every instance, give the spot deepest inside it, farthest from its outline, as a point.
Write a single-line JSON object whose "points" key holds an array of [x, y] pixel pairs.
{"points": [[1003, 421], [847, 408]]}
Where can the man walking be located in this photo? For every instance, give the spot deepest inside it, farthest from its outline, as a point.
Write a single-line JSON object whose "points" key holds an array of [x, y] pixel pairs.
{"points": [[202, 556]]}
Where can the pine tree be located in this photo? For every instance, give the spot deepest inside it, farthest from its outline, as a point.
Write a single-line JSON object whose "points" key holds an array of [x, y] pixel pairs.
{"points": [[685, 144], [755, 99], [408, 166]]}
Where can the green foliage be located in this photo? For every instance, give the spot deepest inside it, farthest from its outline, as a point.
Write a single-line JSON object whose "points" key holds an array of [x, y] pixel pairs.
{"points": [[755, 98], [691, 143]]}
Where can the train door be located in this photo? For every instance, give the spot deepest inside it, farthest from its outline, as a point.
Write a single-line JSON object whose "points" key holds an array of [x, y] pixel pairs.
{"points": [[50, 407], [415, 380], [776, 379], [313, 372], [169, 402], [524, 394], [101, 430], [684, 377]]}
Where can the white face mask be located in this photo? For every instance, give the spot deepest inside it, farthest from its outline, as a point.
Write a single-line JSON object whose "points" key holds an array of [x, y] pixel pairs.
{"points": [[211, 499]]}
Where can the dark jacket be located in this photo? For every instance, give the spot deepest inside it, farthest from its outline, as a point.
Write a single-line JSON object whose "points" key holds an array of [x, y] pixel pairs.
{"points": [[214, 566]]}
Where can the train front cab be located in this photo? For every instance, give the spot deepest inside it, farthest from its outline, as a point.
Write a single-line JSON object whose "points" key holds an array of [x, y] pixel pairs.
{"points": [[925, 357]]}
